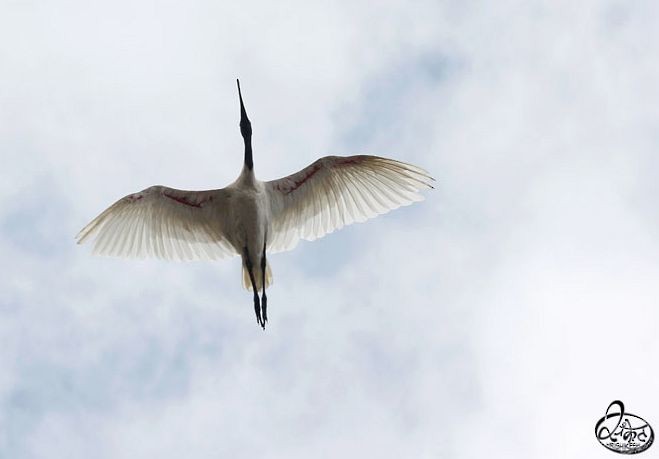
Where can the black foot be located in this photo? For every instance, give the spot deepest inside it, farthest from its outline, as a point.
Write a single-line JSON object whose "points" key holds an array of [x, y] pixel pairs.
{"points": [[264, 308], [257, 310]]}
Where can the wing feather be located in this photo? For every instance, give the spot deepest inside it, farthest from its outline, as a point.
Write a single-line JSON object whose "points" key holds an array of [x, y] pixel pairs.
{"points": [[337, 191], [162, 222]]}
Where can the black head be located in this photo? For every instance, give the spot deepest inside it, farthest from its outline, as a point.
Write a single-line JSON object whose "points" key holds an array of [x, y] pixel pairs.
{"points": [[245, 125], [246, 131]]}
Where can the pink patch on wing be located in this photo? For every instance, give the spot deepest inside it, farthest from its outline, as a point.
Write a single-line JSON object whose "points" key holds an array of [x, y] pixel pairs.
{"points": [[288, 185], [349, 160], [298, 183], [186, 201]]}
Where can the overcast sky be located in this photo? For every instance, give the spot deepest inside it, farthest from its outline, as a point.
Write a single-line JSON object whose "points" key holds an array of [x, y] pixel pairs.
{"points": [[498, 318]]}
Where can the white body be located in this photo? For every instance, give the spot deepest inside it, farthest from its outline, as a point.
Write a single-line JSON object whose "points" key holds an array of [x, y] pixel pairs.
{"points": [[248, 213]]}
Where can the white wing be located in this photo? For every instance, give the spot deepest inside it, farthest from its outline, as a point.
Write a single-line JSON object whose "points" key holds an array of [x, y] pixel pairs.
{"points": [[336, 191], [162, 222]]}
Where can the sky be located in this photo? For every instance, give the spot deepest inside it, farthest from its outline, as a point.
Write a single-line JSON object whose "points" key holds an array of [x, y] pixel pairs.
{"points": [[499, 317]]}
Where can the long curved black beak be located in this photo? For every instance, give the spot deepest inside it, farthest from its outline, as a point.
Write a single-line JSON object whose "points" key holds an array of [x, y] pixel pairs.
{"points": [[245, 125], [245, 130]]}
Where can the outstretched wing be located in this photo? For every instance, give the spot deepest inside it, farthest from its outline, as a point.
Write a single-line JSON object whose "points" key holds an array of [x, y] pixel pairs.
{"points": [[336, 191], [164, 223]]}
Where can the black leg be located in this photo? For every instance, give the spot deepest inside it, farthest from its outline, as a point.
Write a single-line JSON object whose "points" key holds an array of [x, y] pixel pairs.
{"points": [[257, 305], [264, 299]]}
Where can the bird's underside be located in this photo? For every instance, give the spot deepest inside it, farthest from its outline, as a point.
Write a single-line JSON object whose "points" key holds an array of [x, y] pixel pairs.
{"points": [[251, 218]]}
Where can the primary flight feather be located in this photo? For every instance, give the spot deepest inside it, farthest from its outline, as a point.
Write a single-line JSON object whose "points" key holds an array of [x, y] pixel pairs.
{"points": [[249, 217]]}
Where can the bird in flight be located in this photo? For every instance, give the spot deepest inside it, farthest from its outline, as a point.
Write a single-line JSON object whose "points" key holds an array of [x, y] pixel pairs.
{"points": [[251, 218]]}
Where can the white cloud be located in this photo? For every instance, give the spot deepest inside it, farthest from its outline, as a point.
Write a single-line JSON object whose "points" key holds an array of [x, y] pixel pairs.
{"points": [[500, 316]]}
